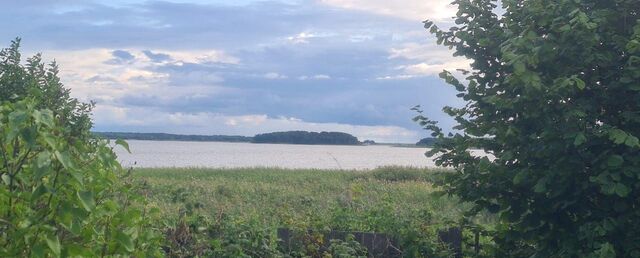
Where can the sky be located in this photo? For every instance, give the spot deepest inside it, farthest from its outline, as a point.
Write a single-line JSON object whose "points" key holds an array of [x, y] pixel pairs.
{"points": [[245, 67]]}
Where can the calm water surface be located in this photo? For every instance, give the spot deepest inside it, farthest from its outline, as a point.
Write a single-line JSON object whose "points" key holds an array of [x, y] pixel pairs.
{"points": [[233, 155]]}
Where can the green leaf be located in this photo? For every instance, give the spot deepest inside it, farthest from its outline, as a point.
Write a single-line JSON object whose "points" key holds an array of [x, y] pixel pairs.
{"points": [[131, 216], [29, 135], [6, 179], [621, 190], [580, 139], [124, 144], [86, 199], [38, 250], [580, 83], [519, 67], [541, 186], [615, 161], [17, 118], [125, 241], [521, 176], [606, 250], [43, 117], [54, 243], [618, 136], [43, 159], [64, 158], [75, 228], [77, 175], [37, 192], [427, 24], [632, 141], [50, 140]]}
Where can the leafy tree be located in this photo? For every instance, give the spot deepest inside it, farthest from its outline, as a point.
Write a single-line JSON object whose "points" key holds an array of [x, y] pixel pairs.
{"points": [[303, 137], [428, 141], [554, 96], [40, 82], [62, 193]]}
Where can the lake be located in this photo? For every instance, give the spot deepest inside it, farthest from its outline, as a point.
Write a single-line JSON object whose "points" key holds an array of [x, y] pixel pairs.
{"points": [[234, 155]]}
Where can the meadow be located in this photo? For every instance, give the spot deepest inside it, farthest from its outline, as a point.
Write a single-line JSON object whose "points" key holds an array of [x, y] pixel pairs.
{"points": [[228, 212]]}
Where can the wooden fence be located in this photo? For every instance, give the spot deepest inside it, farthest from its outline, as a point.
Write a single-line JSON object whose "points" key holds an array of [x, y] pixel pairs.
{"points": [[378, 245]]}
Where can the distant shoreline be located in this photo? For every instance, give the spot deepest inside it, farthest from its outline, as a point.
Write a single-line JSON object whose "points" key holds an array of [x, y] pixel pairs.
{"points": [[172, 137], [226, 138], [392, 145]]}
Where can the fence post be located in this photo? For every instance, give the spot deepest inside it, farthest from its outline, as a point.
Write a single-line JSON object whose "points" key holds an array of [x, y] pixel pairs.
{"points": [[453, 238], [477, 243]]}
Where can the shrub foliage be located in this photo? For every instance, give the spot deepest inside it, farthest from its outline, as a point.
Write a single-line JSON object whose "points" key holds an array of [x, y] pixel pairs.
{"points": [[62, 193], [554, 96]]}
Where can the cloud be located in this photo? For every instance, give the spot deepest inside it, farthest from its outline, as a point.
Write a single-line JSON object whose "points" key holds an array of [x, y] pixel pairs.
{"points": [[339, 64], [203, 56], [101, 79], [120, 57], [431, 69], [417, 10], [179, 87], [156, 57], [274, 76], [314, 77], [301, 38], [246, 120], [424, 59]]}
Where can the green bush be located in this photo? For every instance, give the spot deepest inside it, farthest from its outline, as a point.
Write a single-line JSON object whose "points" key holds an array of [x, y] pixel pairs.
{"points": [[63, 199], [553, 95], [346, 248], [62, 193], [40, 82]]}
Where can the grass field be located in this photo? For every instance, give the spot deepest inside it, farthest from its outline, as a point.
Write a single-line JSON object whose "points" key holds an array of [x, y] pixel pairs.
{"points": [[398, 201]]}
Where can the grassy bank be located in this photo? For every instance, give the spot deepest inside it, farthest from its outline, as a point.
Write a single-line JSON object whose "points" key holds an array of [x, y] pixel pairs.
{"points": [[301, 198], [398, 201]]}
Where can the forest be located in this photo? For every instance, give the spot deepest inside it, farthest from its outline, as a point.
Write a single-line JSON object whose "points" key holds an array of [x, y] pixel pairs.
{"points": [[291, 137], [172, 137], [303, 137]]}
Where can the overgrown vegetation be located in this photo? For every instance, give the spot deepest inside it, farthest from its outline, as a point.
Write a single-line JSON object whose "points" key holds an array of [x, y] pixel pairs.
{"points": [[554, 95], [239, 210], [62, 193]]}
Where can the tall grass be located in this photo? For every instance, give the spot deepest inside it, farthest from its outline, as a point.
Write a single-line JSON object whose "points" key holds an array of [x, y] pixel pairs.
{"points": [[303, 198], [399, 201]]}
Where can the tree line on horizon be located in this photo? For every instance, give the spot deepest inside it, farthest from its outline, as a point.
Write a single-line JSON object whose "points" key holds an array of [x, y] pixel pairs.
{"points": [[172, 137], [295, 137], [292, 137], [304, 137]]}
